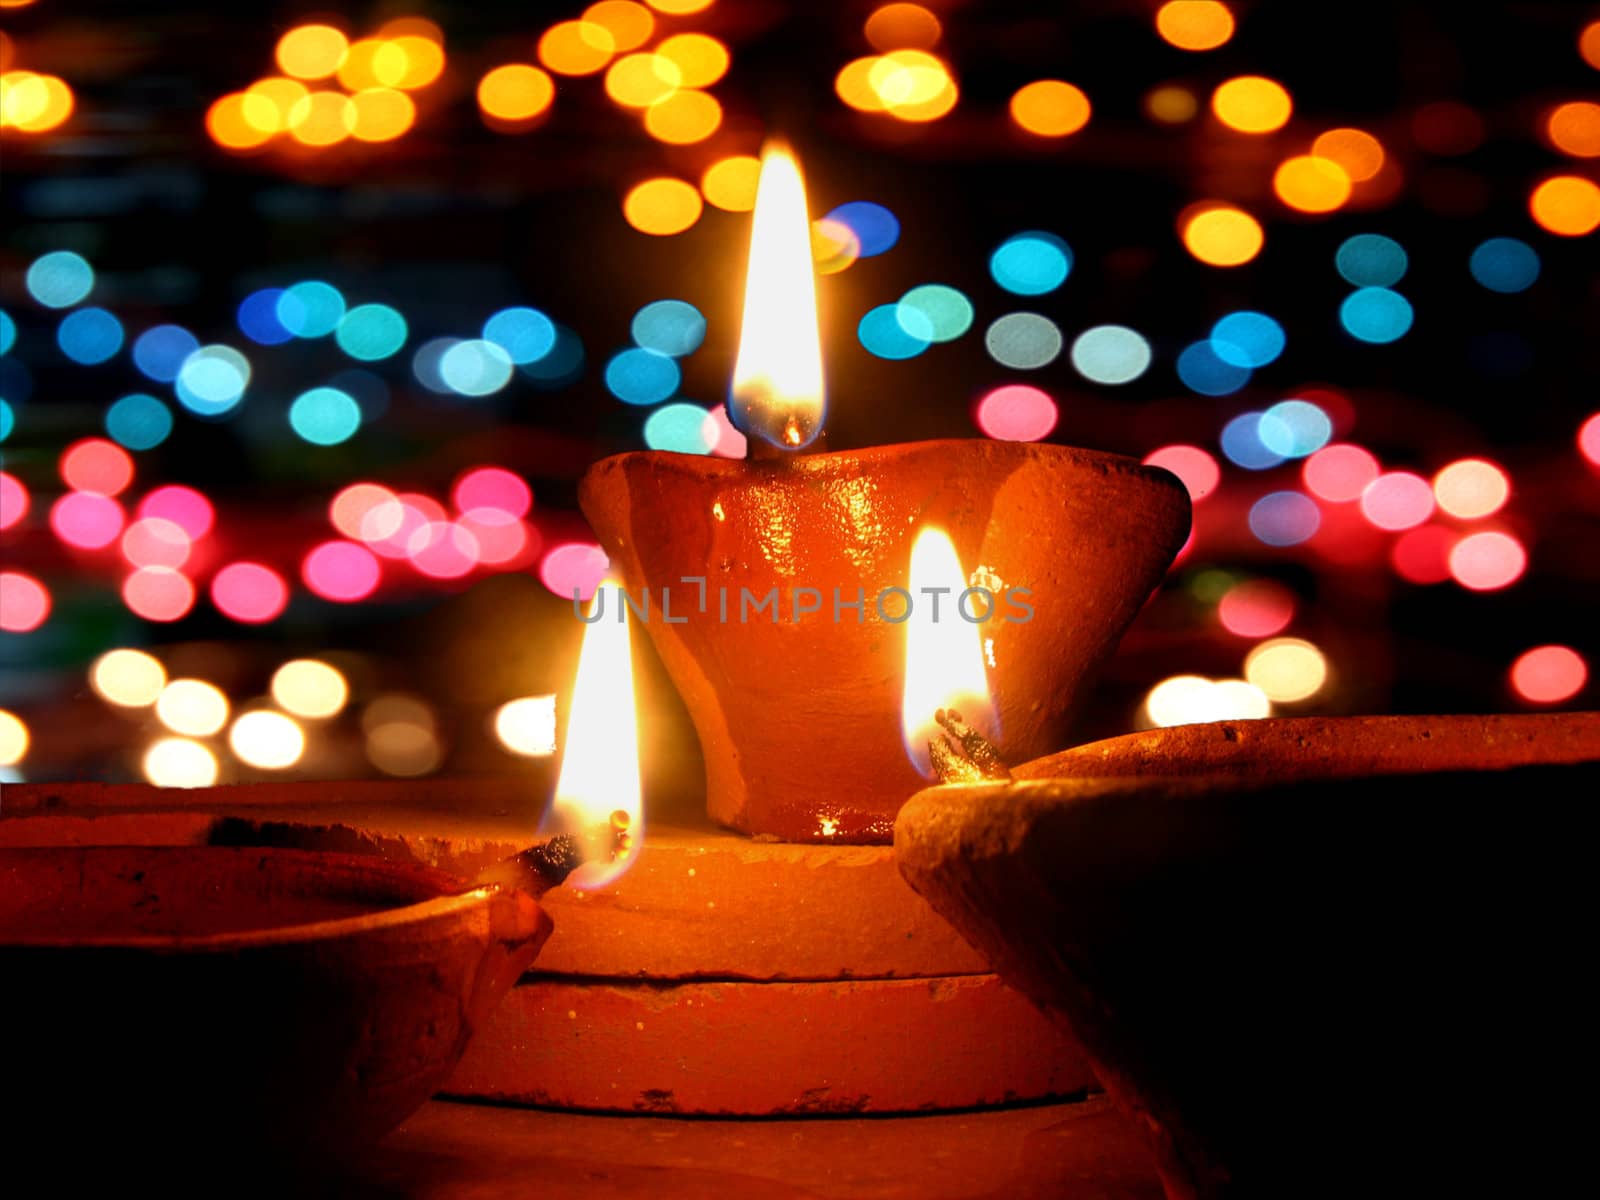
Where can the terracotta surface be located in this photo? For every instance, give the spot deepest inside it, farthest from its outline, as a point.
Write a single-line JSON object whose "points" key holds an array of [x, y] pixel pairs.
{"points": [[1332, 747], [700, 903], [863, 1046], [800, 721], [239, 998], [1083, 1151], [1300, 987]]}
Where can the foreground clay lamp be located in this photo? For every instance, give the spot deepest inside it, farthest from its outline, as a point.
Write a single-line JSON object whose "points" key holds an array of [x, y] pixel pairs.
{"points": [[1295, 982], [797, 704]]}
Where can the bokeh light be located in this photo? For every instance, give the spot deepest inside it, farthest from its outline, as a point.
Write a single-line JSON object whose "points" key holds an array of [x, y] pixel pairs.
{"points": [[515, 92], [1339, 473], [13, 739], [311, 309], [1294, 428], [59, 279], [1050, 108], [24, 602], [86, 520], [156, 542], [14, 500], [475, 367], [322, 118], [678, 427], [1221, 235], [1193, 699], [1242, 445], [371, 332], [1252, 104], [662, 206], [684, 117], [179, 762], [1202, 370], [1031, 264], [640, 80], [1110, 354], [525, 334], [1568, 205], [1422, 555], [268, 740], [885, 333], [325, 416], [1017, 413], [491, 487], [1376, 315], [1589, 439], [183, 506], [1471, 488], [1284, 518], [1549, 674], [1504, 264], [1311, 184], [1247, 339], [1487, 561], [639, 376], [34, 102], [670, 327], [1287, 670], [935, 310], [730, 183], [1197, 470], [311, 51], [574, 566], [96, 465], [138, 421], [1023, 341], [249, 592], [1256, 608], [212, 380], [876, 228], [1371, 260], [1574, 128], [902, 27], [89, 336], [341, 571], [159, 352], [258, 318], [1171, 104], [1397, 500], [158, 594], [128, 678], [192, 707], [527, 726], [576, 48], [701, 60], [1195, 24], [381, 114], [1357, 153]]}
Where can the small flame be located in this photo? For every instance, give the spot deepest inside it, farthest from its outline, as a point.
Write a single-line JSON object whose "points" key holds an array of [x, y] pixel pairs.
{"points": [[777, 380], [944, 650], [597, 794]]}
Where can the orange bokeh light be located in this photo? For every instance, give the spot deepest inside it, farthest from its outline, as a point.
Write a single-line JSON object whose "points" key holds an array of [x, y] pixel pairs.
{"points": [[32, 102], [515, 92], [662, 206], [1195, 24], [1589, 44], [232, 121], [312, 51], [700, 60], [640, 80], [730, 183], [1575, 129], [630, 25], [683, 118], [1311, 184], [1568, 205], [576, 48], [1252, 104], [322, 118], [1221, 235], [1050, 108], [1356, 151], [381, 114], [903, 27]]}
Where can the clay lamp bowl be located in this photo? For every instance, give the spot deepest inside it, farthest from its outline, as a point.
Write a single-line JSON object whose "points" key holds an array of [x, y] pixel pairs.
{"points": [[180, 1002], [800, 718], [1336, 957]]}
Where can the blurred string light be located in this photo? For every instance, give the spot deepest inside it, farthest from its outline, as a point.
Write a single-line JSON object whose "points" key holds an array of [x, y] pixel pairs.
{"points": [[1252, 104], [640, 80], [1397, 500], [1220, 235], [1376, 314], [96, 465], [158, 594], [1050, 108], [86, 521], [1505, 264], [883, 332], [267, 740], [1194, 24], [1110, 354], [156, 542], [527, 726], [341, 571], [1031, 264], [525, 334], [936, 311], [1287, 670], [251, 593], [1197, 470], [1193, 699], [1023, 341], [311, 309], [573, 567], [179, 762], [576, 48], [1242, 445], [257, 318], [642, 377], [212, 380], [325, 416], [1471, 488], [475, 367], [1294, 428], [1310, 183], [371, 332], [684, 117], [1422, 555], [1549, 674], [701, 60], [183, 506], [903, 27], [1017, 412]]}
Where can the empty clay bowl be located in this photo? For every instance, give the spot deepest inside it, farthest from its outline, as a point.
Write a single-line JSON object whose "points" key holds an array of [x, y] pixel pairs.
{"points": [[180, 1002], [1370, 985], [800, 719]]}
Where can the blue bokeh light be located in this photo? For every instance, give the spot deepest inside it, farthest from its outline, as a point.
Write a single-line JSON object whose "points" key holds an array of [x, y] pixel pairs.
{"points": [[935, 310], [159, 352], [8, 332], [371, 332], [60, 279], [1285, 518], [138, 422], [670, 327], [526, 334], [1375, 314], [1242, 444], [475, 368], [1111, 354], [641, 376], [884, 333], [311, 309], [425, 363], [1203, 371], [8, 419], [325, 416], [1031, 264], [876, 228], [1371, 260], [1504, 264], [1294, 428], [212, 380], [89, 336], [258, 318], [680, 427], [1247, 339]]}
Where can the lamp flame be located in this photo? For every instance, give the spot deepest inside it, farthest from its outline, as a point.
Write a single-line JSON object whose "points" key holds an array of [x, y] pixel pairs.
{"points": [[777, 379], [597, 795], [944, 650]]}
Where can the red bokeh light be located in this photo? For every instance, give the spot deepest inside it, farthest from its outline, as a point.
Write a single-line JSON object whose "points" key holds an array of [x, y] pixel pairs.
{"points": [[1486, 562], [1340, 472], [574, 565], [24, 602], [183, 506], [492, 488], [86, 520], [1397, 500], [1197, 469], [249, 592], [342, 571], [1257, 608], [158, 594], [1549, 674], [1422, 555], [96, 465], [14, 500], [1016, 413]]}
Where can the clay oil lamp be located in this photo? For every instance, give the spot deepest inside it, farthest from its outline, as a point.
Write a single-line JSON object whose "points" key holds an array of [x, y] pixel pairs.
{"points": [[789, 572], [1303, 954]]}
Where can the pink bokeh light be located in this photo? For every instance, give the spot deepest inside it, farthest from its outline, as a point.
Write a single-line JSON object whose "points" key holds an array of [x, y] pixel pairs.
{"points": [[1017, 413], [14, 500], [24, 602], [1397, 500], [158, 594], [86, 520], [249, 592], [574, 565], [342, 571], [1198, 469], [183, 506], [492, 488]]}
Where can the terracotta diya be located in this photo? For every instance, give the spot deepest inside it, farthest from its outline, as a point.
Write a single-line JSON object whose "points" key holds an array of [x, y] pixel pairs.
{"points": [[1307, 956], [797, 701]]}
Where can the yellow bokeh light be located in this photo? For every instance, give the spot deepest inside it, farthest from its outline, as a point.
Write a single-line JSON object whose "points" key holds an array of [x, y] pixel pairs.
{"points": [[312, 51], [1252, 104], [402, 748], [268, 102], [424, 61], [1575, 128], [630, 25], [13, 739], [1566, 204], [683, 118], [1050, 108], [1192, 699], [268, 740], [1471, 488], [730, 183], [308, 687], [1287, 669], [576, 48], [913, 85], [679, 8], [640, 80], [1357, 152], [193, 707], [1171, 104], [229, 121], [178, 762], [130, 678], [381, 114], [662, 206], [527, 726], [1194, 24], [1311, 184], [1221, 235], [373, 62], [32, 102], [903, 27], [515, 92], [322, 118], [700, 60], [853, 83]]}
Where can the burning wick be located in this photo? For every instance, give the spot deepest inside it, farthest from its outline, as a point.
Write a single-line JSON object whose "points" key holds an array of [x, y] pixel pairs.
{"points": [[962, 754], [548, 864]]}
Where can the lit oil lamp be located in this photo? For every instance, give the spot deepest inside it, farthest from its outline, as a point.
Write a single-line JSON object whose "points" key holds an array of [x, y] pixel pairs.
{"points": [[789, 574]]}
